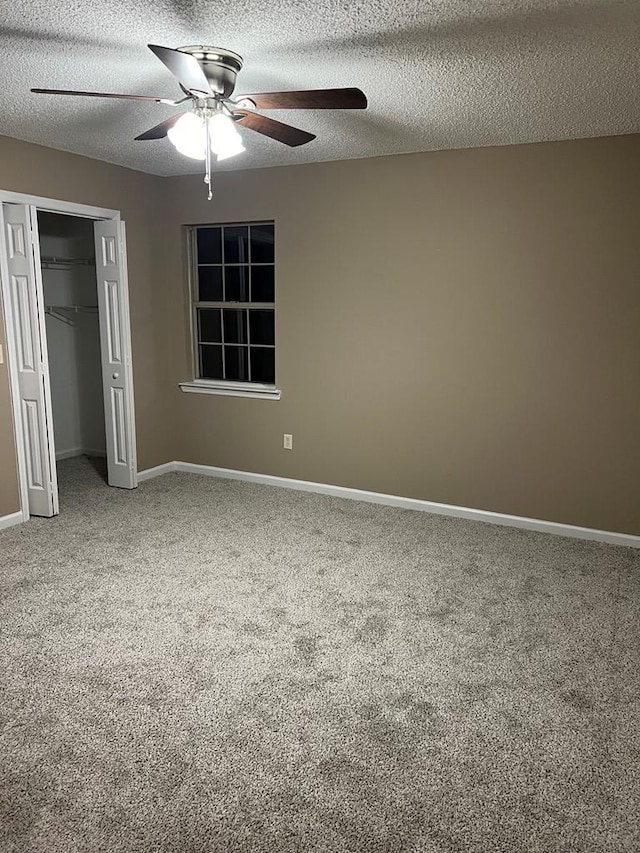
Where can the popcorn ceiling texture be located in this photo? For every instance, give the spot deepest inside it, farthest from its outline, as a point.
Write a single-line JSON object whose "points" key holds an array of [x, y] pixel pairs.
{"points": [[439, 74]]}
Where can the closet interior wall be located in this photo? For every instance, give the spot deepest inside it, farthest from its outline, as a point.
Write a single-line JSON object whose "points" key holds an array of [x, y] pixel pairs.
{"points": [[73, 337]]}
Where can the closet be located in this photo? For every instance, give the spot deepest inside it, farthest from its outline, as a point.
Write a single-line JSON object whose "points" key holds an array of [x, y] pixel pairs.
{"points": [[67, 256], [63, 277]]}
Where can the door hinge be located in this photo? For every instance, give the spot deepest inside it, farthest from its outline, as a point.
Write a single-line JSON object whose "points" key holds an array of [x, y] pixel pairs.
{"points": [[33, 232]]}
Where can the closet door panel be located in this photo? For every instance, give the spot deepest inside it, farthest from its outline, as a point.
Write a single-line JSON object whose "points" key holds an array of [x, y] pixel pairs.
{"points": [[115, 347], [27, 320]]}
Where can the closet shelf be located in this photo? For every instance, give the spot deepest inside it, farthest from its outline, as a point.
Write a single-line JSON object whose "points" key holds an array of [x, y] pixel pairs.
{"points": [[76, 309], [60, 312], [53, 261]]}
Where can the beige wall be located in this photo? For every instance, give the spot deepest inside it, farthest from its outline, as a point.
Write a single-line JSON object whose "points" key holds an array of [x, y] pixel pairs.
{"points": [[54, 174], [454, 326]]}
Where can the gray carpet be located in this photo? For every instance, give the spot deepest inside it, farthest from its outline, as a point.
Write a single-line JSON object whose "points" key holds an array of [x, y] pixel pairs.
{"points": [[206, 665]]}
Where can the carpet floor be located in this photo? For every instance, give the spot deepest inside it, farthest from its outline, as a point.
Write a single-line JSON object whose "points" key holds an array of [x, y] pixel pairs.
{"points": [[209, 665]]}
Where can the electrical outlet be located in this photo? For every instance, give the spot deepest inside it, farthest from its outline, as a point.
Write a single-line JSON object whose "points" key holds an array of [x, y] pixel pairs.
{"points": [[288, 441]]}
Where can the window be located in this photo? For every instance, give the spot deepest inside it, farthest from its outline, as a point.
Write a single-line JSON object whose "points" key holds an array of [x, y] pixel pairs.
{"points": [[232, 273]]}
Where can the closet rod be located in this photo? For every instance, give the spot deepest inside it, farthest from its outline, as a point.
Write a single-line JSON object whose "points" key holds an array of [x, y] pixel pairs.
{"points": [[77, 309], [48, 261]]}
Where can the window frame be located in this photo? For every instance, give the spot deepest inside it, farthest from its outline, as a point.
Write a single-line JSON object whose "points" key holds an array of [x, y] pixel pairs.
{"points": [[225, 387]]}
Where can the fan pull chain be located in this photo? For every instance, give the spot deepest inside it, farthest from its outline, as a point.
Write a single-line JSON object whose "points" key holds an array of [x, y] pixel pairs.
{"points": [[207, 177]]}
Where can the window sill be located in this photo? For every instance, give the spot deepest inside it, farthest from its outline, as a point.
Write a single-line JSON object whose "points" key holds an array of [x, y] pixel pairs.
{"points": [[232, 389]]}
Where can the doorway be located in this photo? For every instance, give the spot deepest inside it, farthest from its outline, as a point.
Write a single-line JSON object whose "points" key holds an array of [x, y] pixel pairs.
{"points": [[65, 300], [70, 297]]}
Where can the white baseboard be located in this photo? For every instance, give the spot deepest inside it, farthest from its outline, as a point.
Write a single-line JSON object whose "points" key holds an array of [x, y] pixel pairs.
{"points": [[68, 454], [450, 510], [158, 471], [78, 451], [11, 519]]}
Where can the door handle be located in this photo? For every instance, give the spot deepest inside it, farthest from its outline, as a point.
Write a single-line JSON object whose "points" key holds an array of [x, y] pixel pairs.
{"points": [[115, 375]]}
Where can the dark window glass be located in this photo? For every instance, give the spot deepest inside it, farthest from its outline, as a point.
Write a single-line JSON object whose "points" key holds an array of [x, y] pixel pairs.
{"points": [[236, 244], [210, 284], [210, 361], [262, 365], [236, 284], [209, 245], [262, 244], [262, 284], [261, 327], [236, 364], [235, 264], [235, 326], [210, 326]]}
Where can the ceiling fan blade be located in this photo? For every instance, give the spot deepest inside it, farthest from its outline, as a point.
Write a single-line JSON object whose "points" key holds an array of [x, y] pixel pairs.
{"points": [[313, 99], [170, 101], [184, 67], [159, 131], [291, 136]]}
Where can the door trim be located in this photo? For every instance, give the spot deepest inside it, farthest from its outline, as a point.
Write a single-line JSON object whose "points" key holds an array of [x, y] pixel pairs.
{"points": [[49, 205]]}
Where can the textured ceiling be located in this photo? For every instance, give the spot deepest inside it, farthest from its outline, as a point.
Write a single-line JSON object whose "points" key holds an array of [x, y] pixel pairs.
{"points": [[438, 74]]}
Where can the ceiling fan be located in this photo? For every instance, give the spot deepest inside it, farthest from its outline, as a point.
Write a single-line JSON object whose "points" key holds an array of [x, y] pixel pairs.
{"points": [[207, 77]]}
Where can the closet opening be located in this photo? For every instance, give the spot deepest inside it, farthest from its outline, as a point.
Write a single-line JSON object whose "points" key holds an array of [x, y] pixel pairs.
{"points": [[65, 298], [70, 297]]}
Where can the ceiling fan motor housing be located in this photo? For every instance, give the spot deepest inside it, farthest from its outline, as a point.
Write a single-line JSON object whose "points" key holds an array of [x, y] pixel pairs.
{"points": [[220, 67]]}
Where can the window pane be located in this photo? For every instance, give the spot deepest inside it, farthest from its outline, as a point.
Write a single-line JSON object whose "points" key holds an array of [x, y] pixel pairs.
{"points": [[263, 365], [210, 330], [210, 362], [209, 245], [261, 326], [236, 244], [210, 284], [262, 284], [236, 284], [235, 359], [262, 244], [234, 265], [235, 326]]}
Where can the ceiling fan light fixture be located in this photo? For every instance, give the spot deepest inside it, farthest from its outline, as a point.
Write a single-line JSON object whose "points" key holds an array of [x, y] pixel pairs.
{"points": [[207, 76], [188, 135]]}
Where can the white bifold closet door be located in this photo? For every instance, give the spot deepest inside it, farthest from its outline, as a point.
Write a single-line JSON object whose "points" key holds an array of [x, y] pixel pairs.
{"points": [[30, 347], [30, 352], [117, 380]]}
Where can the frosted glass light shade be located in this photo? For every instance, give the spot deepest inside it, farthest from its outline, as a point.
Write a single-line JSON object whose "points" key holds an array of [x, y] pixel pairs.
{"points": [[225, 139], [189, 137]]}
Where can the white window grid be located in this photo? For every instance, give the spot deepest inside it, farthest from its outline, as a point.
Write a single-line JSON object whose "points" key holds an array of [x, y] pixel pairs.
{"points": [[245, 306]]}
